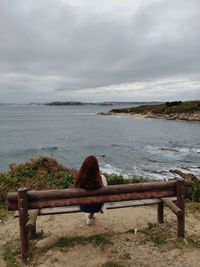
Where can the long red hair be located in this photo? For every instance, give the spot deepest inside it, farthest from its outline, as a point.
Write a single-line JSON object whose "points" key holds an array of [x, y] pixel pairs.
{"points": [[89, 177]]}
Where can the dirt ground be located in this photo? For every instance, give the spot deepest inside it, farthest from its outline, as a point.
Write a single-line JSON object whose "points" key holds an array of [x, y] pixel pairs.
{"points": [[152, 245]]}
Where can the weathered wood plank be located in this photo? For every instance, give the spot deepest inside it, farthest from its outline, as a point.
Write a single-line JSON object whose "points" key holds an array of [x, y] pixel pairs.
{"points": [[48, 203], [181, 205], [23, 217], [31, 224], [160, 212], [111, 205], [173, 207], [99, 199], [133, 203], [107, 190]]}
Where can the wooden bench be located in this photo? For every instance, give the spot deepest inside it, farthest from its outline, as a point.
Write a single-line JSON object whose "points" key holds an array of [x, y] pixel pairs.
{"points": [[30, 204]]}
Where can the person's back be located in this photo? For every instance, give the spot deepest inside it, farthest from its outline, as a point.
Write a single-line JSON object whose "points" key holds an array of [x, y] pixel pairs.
{"points": [[89, 178]]}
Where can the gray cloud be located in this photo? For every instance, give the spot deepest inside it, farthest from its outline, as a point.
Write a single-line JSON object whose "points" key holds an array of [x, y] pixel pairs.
{"points": [[87, 50]]}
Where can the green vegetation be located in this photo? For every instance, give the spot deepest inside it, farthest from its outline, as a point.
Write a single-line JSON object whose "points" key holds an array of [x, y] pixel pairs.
{"points": [[196, 191], [166, 108], [40, 173], [114, 179], [67, 242], [112, 264], [3, 212], [156, 234], [10, 257], [98, 240], [46, 173]]}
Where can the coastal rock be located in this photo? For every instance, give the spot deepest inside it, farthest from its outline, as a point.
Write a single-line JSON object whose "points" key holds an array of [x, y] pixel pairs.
{"points": [[176, 110], [169, 149], [105, 113], [175, 116]]}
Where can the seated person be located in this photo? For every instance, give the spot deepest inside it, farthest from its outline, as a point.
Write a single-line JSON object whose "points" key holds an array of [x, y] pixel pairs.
{"points": [[89, 178]]}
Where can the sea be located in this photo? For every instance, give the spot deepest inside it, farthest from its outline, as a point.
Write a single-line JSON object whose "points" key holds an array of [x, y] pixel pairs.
{"points": [[127, 146]]}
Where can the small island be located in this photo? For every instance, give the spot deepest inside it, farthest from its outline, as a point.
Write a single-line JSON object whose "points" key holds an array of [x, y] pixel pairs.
{"points": [[176, 110], [105, 103]]}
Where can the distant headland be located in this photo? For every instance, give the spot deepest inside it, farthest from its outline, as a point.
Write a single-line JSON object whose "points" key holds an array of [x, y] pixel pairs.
{"points": [[105, 103], [79, 103], [176, 110]]}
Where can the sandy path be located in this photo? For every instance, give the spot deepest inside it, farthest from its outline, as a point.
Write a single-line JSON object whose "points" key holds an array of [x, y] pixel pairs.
{"points": [[116, 222]]}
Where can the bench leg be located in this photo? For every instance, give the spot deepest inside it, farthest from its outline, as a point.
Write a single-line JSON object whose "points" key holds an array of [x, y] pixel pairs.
{"points": [[23, 217], [31, 224], [181, 205], [33, 233], [160, 212]]}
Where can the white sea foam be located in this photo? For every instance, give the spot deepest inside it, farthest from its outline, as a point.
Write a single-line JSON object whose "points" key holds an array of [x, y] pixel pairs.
{"points": [[152, 174], [190, 169], [155, 173], [82, 114], [174, 149], [49, 148], [108, 168], [195, 150]]}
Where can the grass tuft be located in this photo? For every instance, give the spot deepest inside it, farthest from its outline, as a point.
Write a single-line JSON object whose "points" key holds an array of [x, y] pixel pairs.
{"points": [[97, 240], [112, 264], [9, 257], [67, 242], [3, 212], [196, 191], [114, 179], [155, 234]]}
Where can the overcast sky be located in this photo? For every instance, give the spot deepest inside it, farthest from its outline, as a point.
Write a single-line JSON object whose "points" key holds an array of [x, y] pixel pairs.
{"points": [[93, 50]]}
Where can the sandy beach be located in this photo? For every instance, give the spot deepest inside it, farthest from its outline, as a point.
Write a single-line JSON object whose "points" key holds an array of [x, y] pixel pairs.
{"points": [[132, 116]]}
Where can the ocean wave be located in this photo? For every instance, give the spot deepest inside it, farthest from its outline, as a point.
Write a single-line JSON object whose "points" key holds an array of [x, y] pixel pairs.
{"points": [[166, 174], [49, 148], [155, 172], [82, 114], [190, 169], [110, 169], [39, 150], [173, 150], [42, 149], [32, 151], [189, 150], [117, 145], [148, 173]]}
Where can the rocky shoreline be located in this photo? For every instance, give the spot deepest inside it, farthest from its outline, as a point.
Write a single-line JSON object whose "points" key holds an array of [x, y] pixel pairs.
{"points": [[176, 110], [173, 116], [176, 116]]}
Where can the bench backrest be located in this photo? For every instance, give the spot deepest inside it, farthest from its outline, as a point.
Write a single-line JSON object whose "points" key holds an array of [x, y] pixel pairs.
{"points": [[69, 197]]}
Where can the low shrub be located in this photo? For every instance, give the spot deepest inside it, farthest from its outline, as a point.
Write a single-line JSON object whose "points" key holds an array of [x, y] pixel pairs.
{"points": [[38, 174], [196, 191], [114, 179]]}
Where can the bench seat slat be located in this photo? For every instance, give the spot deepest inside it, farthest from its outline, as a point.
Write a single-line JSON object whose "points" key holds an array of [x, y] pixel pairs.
{"points": [[109, 205], [133, 203]]}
